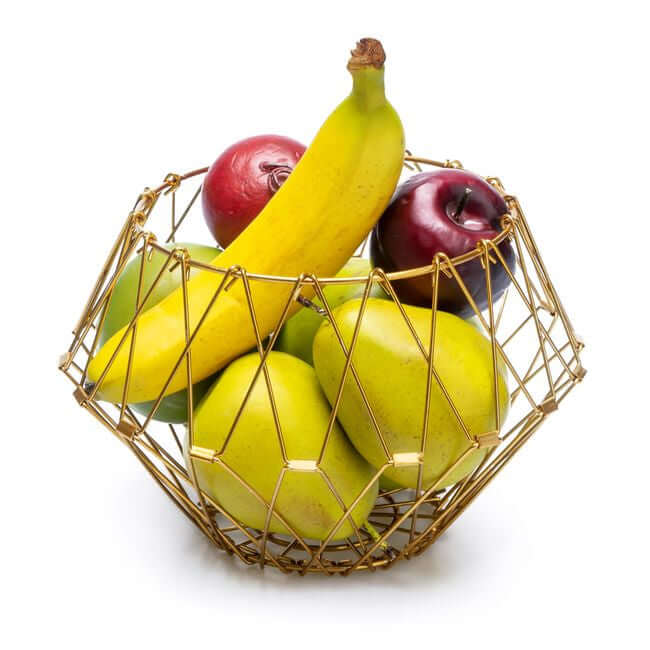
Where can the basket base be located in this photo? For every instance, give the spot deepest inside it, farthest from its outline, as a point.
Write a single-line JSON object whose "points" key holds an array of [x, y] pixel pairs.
{"points": [[412, 536]]}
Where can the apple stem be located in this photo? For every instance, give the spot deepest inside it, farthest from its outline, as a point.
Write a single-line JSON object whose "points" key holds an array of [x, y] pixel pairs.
{"points": [[461, 204]]}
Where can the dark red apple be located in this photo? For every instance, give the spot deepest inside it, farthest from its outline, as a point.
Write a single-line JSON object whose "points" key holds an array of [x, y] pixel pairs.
{"points": [[242, 179], [448, 211]]}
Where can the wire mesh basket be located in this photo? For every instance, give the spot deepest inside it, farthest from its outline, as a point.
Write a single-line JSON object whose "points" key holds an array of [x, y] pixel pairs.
{"points": [[527, 327]]}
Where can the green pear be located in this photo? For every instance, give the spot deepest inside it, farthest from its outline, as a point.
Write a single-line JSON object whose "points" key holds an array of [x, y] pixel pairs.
{"points": [[393, 373], [304, 498], [297, 335], [173, 408]]}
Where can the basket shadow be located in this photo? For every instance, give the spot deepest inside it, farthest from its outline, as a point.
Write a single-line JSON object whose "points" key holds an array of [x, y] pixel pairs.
{"points": [[445, 562]]}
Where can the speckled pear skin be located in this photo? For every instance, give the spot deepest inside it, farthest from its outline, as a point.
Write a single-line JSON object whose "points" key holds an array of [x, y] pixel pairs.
{"points": [[304, 498], [393, 373]]}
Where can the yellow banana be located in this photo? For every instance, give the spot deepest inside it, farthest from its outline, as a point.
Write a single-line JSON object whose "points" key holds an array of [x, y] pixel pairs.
{"points": [[313, 224]]}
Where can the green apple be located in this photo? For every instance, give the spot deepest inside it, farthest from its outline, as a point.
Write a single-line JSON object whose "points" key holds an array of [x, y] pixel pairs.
{"points": [[121, 308], [297, 335]]}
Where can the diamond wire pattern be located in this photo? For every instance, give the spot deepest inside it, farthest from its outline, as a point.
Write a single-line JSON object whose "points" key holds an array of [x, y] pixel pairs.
{"points": [[540, 351]]}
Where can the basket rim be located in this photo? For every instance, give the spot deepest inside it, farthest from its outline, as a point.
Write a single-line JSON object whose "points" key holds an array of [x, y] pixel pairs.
{"points": [[444, 262]]}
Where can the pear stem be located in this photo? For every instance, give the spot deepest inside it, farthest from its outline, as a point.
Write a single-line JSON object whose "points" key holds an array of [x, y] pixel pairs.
{"points": [[305, 302], [375, 535]]}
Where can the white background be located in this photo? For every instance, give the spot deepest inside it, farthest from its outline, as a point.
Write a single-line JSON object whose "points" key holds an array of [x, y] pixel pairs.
{"points": [[101, 99]]}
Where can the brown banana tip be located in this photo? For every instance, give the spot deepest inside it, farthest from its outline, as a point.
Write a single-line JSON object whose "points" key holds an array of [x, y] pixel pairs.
{"points": [[368, 52]]}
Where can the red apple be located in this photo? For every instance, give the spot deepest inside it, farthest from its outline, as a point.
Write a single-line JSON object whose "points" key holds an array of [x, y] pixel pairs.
{"points": [[242, 179], [448, 211]]}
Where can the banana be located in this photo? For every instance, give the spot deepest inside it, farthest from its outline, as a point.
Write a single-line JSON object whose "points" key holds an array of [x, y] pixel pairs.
{"points": [[313, 224]]}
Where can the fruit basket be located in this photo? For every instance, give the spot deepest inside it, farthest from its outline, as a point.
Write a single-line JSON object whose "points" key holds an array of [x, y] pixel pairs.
{"points": [[530, 339]]}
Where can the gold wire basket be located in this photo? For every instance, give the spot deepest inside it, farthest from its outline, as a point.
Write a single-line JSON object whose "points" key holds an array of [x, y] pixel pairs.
{"points": [[528, 329]]}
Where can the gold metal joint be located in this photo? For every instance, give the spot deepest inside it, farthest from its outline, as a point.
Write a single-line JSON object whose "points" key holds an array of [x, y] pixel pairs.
{"points": [[180, 255], [80, 395], [496, 183], [127, 429], [139, 217], [507, 221], [444, 262], [484, 245], [147, 197], [64, 361], [149, 239], [173, 182], [302, 465], [235, 271], [488, 439], [407, 459], [204, 454], [580, 372], [453, 164], [548, 406], [550, 309], [306, 278]]}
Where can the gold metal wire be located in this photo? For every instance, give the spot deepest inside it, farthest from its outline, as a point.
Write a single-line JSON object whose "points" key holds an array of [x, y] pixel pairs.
{"points": [[540, 350]]}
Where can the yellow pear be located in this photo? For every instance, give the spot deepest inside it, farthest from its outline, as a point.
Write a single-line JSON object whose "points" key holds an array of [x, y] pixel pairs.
{"points": [[304, 498], [393, 373]]}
